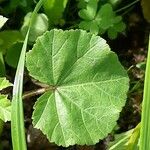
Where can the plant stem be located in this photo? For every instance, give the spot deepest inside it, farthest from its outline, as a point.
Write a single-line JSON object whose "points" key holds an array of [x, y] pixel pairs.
{"points": [[127, 6], [35, 92], [145, 122]]}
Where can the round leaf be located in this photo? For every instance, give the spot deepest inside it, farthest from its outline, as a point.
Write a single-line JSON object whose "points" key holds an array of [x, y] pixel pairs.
{"points": [[90, 11], [87, 87], [38, 28]]}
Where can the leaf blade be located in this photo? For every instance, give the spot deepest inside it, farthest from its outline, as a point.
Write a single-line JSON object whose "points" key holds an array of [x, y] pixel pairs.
{"points": [[145, 123], [2, 21], [5, 108], [4, 83], [80, 68]]}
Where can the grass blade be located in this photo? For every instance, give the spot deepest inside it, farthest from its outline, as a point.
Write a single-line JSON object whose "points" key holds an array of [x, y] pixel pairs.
{"points": [[145, 123], [2, 65], [17, 116]]}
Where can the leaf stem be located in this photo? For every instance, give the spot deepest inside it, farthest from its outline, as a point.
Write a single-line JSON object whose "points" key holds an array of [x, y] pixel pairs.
{"points": [[36, 92], [127, 6]]}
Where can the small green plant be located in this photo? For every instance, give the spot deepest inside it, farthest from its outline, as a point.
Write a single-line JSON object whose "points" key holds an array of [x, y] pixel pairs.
{"points": [[101, 20]]}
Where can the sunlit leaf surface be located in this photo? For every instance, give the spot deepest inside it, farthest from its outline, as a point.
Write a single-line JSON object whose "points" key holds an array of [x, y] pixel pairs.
{"points": [[87, 87]]}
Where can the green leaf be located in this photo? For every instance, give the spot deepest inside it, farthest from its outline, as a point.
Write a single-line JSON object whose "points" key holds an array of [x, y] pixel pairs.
{"points": [[146, 9], [108, 19], [88, 15], [82, 3], [105, 16], [13, 54], [120, 141], [5, 108], [112, 33], [90, 11], [109, 22], [114, 3], [104, 20], [54, 10], [82, 102], [127, 140], [38, 28], [24, 5], [15, 3], [8, 38], [4, 83], [133, 143], [89, 26], [2, 21], [141, 65], [115, 29]]}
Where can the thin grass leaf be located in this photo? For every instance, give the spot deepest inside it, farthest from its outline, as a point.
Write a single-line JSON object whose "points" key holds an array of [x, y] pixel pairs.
{"points": [[120, 141], [2, 65], [133, 143], [17, 116], [145, 123]]}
